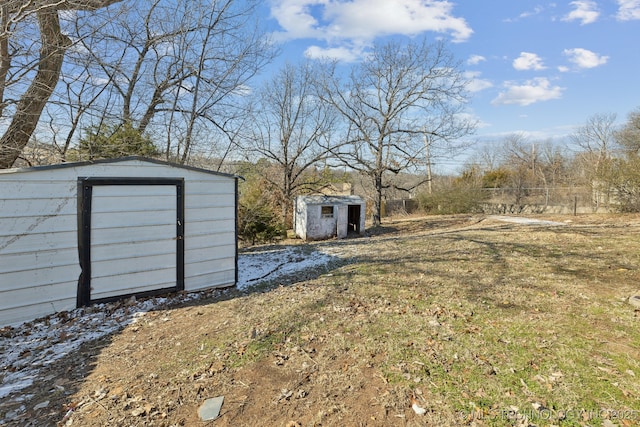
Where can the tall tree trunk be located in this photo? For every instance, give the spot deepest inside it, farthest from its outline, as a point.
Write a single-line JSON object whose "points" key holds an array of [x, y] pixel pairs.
{"points": [[377, 203], [5, 58], [427, 144], [30, 106]]}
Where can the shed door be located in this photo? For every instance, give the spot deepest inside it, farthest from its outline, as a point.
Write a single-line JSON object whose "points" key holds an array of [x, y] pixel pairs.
{"points": [[354, 219], [131, 239]]}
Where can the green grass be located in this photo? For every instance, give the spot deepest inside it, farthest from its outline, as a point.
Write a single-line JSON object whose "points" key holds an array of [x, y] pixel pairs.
{"points": [[485, 324]]}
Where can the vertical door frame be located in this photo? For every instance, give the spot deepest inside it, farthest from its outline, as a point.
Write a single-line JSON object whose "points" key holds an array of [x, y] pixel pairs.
{"points": [[85, 196]]}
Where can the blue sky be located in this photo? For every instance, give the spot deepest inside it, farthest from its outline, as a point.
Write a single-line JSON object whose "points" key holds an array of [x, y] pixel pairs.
{"points": [[537, 68]]}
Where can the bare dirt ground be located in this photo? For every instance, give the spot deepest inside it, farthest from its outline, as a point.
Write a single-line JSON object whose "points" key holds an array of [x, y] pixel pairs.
{"points": [[476, 321]]}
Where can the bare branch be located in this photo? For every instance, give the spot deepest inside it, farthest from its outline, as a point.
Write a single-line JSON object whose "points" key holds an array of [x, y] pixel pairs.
{"points": [[399, 94], [35, 98]]}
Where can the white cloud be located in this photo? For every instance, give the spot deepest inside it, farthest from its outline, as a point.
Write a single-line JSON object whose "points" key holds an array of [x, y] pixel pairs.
{"points": [[295, 18], [528, 61], [476, 84], [584, 58], [341, 23], [344, 54], [475, 59], [629, 10], [530, 92], [536, 11], [586, 11]]}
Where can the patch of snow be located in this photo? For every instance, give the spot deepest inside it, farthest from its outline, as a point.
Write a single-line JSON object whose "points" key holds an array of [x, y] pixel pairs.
{"points": [[525, 221], [27, 348], [254, 267]]}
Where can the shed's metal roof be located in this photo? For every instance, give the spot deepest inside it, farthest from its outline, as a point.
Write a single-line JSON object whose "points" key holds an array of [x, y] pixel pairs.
{"points": [[118, 160], [332, 200]]}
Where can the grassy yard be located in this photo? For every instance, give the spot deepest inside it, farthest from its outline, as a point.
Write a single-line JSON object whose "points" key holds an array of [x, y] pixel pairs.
{"points": [[479, 322]]}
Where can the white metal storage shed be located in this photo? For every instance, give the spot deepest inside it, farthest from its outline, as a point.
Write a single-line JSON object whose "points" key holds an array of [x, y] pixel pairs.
{"points": [[81, 233], [318, 217]]}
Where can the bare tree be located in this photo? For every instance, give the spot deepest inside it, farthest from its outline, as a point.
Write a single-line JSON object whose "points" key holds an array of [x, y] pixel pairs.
{"points": [[174, 70], [179, 69], [521, 158], [553, 164], [74, 100], [597, 140], [398, 94], [443, 137], [527, 172], [629, 135], [292, 129], [44, 72]]}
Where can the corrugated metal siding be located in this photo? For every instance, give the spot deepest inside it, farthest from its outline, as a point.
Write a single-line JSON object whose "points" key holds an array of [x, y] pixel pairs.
{"points": [[38, 246], [124, 220], [209, 229], [39, 264]]}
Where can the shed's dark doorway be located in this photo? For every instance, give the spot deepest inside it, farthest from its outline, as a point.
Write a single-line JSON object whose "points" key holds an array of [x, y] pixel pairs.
{"points": [[354, 219]]}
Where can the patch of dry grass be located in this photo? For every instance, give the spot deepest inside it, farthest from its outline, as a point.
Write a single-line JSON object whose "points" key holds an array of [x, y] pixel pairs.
{"points": [[480, 322]]}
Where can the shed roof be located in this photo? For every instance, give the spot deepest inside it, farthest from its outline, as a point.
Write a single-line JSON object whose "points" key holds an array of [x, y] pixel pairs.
{"points": [[118, 160], [332, 200]]}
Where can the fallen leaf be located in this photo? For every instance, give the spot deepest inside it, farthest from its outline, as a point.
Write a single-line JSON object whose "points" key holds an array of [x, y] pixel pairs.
{"points": [[418, 410]]}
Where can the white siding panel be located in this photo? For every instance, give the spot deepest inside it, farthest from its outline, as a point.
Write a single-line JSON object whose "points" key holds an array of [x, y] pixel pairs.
{"points": [[212, 265], [214, 279], [141, 281], [37, 188], [109, 268], [124, 220], [213, 252], [35, 260], [30, 242], [214, 186], [132, 250], [28, 311], [30, 224], [23, 214], [37, 277], [109, 204], [39, 266], [206, 241], [197, 228], [208, 213], [45, 208], [194, 200], [135, 191], [133, 198], [143, 218], [43, 295], [125, 234]]}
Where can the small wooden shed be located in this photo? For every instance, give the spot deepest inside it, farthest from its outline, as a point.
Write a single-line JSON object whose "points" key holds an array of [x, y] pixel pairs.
{"points": [[323, 217], [81, 233]]}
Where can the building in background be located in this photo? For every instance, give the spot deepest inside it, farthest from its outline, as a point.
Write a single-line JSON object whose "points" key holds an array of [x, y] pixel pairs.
{"points": [[318, 217]]}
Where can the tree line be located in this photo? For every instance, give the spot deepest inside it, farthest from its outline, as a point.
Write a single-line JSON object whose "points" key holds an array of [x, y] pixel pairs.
{"points": [[90, 79], [599, 161], [185, 81]]}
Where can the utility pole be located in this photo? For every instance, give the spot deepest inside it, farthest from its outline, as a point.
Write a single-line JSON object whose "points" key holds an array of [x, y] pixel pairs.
{"points": [[427, 144]]}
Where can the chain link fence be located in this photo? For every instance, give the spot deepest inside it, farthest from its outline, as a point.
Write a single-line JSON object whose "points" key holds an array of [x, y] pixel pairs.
{"points": [[558, 200], [555, 200]]}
